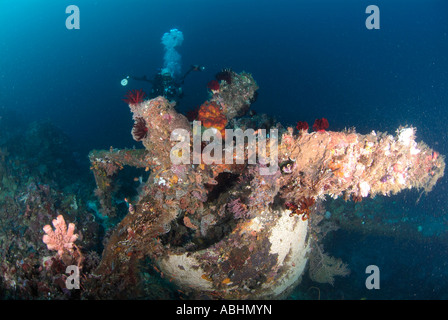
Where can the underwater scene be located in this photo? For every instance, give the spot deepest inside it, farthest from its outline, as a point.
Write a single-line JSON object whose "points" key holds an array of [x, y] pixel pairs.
{"points": [[223, 150]]}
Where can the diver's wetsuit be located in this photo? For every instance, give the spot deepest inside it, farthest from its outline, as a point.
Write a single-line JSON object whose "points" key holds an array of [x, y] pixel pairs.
{"points": [[164, 84]]}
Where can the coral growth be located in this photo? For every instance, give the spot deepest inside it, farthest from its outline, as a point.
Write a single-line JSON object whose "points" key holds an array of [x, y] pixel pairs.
{"points": [[238, 209], [221, 230], [216, 231], [134, 96], [237, 91], [212, 116], [320, 125], [337, 168], [31, 194], [62, 238]]}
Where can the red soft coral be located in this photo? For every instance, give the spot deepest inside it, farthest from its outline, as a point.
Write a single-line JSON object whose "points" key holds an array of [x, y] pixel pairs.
{"points": [[134, 96]]}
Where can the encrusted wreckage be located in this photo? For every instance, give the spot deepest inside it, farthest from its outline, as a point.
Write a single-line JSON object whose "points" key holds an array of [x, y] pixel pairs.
{"points": [[226, 231]]}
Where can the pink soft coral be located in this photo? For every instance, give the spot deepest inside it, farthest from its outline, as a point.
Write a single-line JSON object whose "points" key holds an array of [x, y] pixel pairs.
{"points": [[62, 238], [238, 209]]}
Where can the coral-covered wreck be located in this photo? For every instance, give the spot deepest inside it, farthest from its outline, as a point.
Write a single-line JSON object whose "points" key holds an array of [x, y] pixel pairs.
{"points": [[226, 231]]}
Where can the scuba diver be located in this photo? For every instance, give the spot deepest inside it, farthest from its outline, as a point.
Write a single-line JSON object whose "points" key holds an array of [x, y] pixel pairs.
{"points": [[163, 83]]}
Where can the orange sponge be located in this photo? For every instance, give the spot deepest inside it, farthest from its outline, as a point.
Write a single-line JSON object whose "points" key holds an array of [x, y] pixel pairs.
{"points": [[211, 116]]}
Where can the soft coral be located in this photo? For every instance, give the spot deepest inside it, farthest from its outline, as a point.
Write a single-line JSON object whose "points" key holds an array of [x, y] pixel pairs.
{"points": [[212, 116]]}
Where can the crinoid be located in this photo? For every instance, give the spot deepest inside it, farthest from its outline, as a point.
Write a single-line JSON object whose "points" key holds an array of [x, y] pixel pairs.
{"points": [[303, 207], [139, 130], [302, 126], [134, 96], [225, 74], [320, 125]]}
